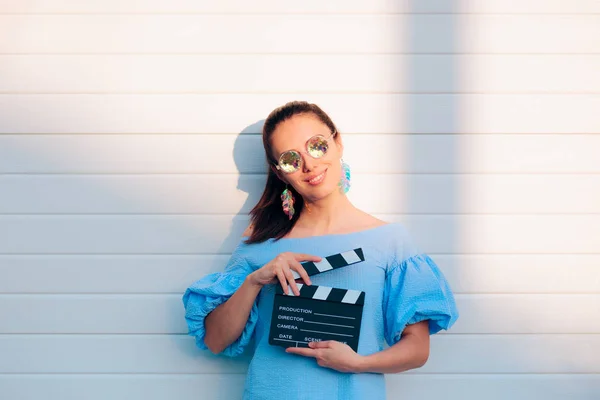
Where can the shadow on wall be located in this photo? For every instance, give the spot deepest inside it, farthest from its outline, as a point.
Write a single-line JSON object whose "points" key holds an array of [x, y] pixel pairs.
{"points": [[249, 182]]}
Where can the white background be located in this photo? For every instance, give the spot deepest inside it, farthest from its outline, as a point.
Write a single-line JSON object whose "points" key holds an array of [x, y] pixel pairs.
{"points": [[130, 156]]}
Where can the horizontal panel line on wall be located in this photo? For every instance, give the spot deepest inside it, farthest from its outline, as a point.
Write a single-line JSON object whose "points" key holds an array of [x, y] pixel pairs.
{"points": [[219, 173], [151, 295], [88, 295], [441, 333], [245, 214], [225, 214], [478, 374], [300, 92], [227, 254], [171, 373], [254, 14], [186, 336], [191, 255], [305, 7], [359, 94], [354, 133], [234, 373], [4, 334], [456, 293], [283, 53], [272, 92]]}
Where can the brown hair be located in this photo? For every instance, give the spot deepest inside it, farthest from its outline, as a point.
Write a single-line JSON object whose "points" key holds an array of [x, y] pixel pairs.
{"points": [[267, 217]]}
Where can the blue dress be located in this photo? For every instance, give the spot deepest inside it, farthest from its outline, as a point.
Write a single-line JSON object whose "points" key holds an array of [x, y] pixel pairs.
{"points": [[402, 286]]}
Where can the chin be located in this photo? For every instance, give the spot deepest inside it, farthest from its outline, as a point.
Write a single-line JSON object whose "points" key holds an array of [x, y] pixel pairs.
{"points": [[322, 191]]}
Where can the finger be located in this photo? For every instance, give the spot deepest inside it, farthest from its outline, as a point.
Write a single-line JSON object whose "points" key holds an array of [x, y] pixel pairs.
{"points": [[282, 281], [320, 345], [300, 272], [292, 281], [306, 257], [301, 351]]}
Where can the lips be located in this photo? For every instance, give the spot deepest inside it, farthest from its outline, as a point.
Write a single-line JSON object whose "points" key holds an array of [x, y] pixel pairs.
{"points": [[316, 179]]}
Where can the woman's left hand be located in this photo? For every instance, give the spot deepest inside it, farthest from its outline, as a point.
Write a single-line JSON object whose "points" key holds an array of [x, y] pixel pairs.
{"points": [[331, 354]]}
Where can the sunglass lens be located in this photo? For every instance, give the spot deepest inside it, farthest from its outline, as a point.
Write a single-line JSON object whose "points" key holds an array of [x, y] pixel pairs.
{"points": [[317, 146], [289, 161]]}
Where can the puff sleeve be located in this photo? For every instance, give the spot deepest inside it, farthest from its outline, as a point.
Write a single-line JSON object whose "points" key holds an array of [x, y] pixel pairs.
{"points": [[208, 293], [416, 290]]}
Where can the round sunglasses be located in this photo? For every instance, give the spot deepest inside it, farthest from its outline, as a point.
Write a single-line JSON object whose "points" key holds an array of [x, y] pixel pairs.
{"points": [[316, 147]]}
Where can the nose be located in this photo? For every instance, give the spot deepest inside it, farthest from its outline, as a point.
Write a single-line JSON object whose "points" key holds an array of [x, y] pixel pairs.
{"points": [[308, 163]]}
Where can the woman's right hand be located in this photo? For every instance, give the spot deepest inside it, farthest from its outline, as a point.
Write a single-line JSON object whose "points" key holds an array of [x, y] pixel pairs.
{"points": [[280, 269]]}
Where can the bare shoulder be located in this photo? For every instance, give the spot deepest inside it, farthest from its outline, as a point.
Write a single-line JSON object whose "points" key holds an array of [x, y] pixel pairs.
{"points": [[369, 221], [248, 231]]}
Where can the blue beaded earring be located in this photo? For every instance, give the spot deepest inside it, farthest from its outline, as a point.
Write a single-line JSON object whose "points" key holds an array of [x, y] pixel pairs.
{"points": [[344, 183]]}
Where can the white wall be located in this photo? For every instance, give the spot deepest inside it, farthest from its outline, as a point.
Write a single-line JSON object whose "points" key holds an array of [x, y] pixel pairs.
{"points": [[129, 156]]}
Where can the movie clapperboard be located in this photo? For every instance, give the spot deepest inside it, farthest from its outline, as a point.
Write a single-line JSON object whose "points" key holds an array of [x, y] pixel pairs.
{"points": [[332, 262], [319, 312]]}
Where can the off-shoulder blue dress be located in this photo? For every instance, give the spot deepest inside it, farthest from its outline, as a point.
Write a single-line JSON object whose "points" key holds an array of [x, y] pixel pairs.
{"points": [[402, 286]]}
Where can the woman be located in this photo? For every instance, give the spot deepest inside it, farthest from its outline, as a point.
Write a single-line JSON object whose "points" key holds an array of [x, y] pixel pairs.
{"points": [[304, 215]]}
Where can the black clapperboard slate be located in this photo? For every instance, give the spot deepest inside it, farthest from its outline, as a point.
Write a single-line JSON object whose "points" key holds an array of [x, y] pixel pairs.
{"points": [[332, 262], [319, 312]]}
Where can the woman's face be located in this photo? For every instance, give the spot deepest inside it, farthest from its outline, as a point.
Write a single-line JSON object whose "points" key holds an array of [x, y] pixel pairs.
{"points": [[317, 177]]}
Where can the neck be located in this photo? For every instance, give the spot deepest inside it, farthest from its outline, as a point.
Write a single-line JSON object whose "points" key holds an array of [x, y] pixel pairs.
{"points": [[326, 215]]}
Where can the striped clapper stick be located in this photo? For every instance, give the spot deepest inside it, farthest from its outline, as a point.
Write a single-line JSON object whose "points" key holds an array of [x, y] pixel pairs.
{"points": [[332, 262], [318, 313]]}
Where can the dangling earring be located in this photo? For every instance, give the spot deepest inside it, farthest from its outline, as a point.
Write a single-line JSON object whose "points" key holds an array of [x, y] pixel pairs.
{"points": [[287, 202], [344, 183], [307, 207]]}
